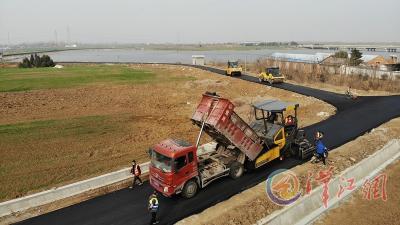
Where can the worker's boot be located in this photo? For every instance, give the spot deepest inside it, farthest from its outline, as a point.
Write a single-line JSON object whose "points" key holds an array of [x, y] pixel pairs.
{"points": [[314, 159]]}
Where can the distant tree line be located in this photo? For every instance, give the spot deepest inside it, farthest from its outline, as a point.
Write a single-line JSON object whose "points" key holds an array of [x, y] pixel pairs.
{"points": [[37, 61]]}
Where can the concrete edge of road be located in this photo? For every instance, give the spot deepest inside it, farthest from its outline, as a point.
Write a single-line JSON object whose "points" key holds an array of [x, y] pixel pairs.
{"points": [[82, 187], [310, 207], [55, 194]]}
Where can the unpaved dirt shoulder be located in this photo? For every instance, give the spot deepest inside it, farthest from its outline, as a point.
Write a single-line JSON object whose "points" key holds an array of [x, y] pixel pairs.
{"points": [[359, 211], [251, 205], [343, 89]]}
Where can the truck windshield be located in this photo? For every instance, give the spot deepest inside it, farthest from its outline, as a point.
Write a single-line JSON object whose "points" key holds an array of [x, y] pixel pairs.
{"points": [[161, 162]]}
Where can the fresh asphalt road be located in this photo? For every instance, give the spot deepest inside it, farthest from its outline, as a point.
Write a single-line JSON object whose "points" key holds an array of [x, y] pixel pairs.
{"points": [[353, 118]]}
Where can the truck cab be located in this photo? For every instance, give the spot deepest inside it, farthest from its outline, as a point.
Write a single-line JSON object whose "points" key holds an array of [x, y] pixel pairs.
{"points": [[176, 168], [173, 162]]}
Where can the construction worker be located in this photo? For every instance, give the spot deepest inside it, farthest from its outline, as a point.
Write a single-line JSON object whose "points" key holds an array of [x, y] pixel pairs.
{"points": [[290, 125], [153, 207], [350, 93], [322, 151], [290, 121], [136, 172]]}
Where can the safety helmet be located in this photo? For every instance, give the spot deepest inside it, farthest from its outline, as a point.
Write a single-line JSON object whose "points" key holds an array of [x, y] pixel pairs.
{"points": [[319, 135]]}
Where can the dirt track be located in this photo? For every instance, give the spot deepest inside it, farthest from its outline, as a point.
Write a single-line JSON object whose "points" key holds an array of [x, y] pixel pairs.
{"points": [[359, 211]]}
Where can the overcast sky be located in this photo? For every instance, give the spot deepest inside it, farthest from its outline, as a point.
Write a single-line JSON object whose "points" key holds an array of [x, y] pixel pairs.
{"points": [[189, 21]]}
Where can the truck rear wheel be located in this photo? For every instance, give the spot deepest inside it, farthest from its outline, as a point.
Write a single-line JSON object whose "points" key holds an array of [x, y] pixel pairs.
{"points": [[236, 170], [190, 189]]}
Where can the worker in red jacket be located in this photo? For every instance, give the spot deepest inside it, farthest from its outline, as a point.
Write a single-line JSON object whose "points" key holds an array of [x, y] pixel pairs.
{"points": [[136, 172]]}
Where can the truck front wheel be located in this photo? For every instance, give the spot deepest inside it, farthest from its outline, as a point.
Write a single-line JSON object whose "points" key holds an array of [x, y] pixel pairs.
{"points": [[190, 189], [236, 170]]}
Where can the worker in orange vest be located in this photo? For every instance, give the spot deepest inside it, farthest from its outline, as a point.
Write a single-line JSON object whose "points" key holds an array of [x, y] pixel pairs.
{"points": [[289, 121], [136, 172]]}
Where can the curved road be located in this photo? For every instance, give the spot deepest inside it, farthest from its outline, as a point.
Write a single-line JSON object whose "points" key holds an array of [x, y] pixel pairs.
{"points": [[353, 118]]}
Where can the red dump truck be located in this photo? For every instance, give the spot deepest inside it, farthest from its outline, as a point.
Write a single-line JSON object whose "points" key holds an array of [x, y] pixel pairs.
{"points": [[177, 167]]}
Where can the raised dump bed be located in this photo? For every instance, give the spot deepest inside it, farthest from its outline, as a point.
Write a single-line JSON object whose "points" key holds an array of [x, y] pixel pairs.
{"points": [[219, 121]]}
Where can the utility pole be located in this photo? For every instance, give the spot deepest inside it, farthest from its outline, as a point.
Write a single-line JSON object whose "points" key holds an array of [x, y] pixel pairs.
{"points": [[55, 37], [178, 40], [68, 36], [245, 63], [8, 39]]}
